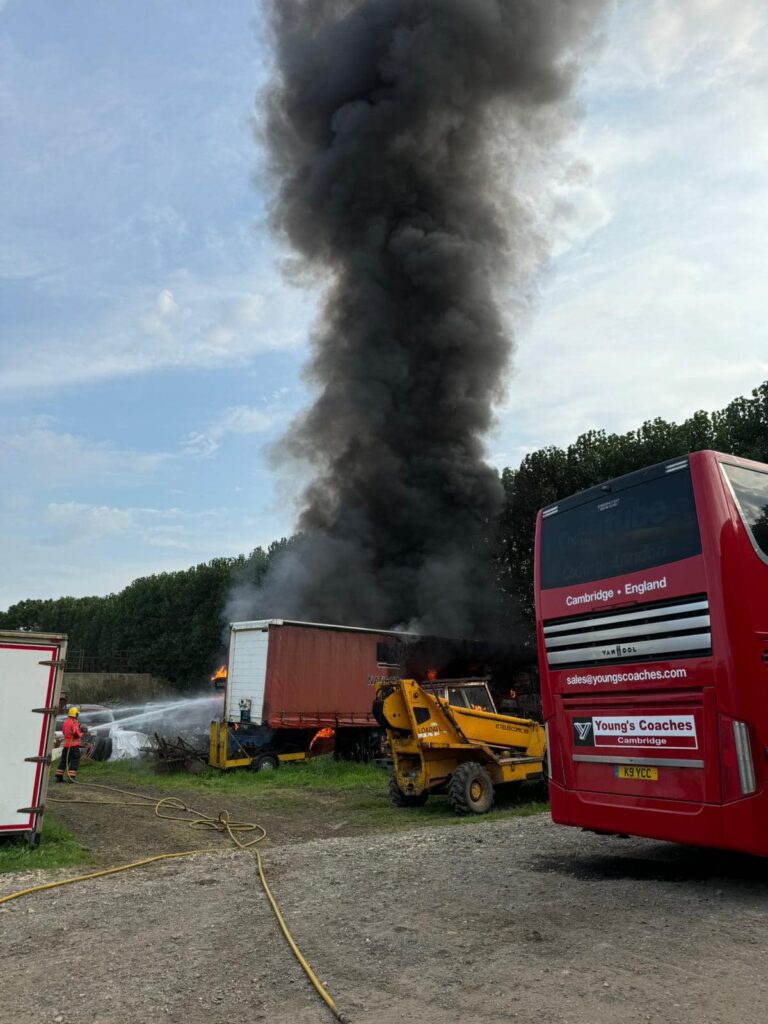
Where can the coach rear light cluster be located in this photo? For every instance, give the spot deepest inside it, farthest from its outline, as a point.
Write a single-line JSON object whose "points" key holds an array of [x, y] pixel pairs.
{"points": [[744, 758]]}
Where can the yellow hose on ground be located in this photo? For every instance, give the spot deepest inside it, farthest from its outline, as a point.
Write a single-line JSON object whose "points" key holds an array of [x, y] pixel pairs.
{"points": [[222, 823]]}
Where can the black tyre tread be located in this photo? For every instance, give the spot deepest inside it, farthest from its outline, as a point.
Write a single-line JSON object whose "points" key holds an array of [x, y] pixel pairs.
{"points": [[401, 799], [458, 788], [102, 748]]}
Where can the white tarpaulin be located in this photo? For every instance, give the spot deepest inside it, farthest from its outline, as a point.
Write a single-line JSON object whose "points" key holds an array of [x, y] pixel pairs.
{"points": [[127, 744]]}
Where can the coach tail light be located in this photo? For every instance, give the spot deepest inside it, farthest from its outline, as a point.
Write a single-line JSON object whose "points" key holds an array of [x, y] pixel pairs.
{"points": [[737, 766]]}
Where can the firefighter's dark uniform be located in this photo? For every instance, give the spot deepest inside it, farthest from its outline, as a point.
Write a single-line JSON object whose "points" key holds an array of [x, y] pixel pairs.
{"points": [[70, 754]]}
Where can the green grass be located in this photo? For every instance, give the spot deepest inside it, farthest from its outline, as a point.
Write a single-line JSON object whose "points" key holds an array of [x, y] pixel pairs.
{"points": [[58, 849], [376, 811], [361, 789], [319, 773], [436, 811]]}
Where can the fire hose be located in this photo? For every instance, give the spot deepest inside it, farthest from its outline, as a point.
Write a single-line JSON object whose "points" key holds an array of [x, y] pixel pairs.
{"points": [[221, 823]]}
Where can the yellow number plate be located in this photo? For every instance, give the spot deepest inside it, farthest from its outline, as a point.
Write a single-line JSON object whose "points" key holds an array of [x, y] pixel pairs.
{"points": [[637, 772]]}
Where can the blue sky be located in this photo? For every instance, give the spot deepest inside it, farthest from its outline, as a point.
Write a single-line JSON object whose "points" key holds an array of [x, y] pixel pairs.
{"points": [[151, 349]]}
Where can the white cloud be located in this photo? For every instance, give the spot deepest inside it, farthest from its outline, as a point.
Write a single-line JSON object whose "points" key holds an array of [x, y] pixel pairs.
{"points": [[713, 33], [79, 516], [652, 42], [656, 334], [662, 310], [237, 420], [579, 209], [244, 419], [247, 310], [42, 458], [77, 548], [161, 321], [109, 562], [130, 246], [87, 522], [172, 528], [187, 324]]}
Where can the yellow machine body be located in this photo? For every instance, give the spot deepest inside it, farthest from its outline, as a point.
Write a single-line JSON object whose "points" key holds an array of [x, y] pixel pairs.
{"points": [[448, 736]]}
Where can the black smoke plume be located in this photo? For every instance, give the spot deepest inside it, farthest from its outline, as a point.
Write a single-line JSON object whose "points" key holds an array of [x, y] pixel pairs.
{"points": [[400, 133]]}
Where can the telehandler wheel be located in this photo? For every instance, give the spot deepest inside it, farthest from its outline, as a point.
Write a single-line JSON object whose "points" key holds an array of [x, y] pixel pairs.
{"points": [[401, 799], [470, 790]]}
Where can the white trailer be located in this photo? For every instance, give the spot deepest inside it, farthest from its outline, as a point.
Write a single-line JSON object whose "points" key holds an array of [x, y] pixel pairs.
{"points": [[31, 669]]}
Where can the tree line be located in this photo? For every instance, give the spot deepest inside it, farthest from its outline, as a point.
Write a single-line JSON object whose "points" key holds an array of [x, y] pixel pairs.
{"points": [[170, 624]]}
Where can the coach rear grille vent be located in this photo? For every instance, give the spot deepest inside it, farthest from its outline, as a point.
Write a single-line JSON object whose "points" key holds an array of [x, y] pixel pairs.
{"points": [[658, 631]]}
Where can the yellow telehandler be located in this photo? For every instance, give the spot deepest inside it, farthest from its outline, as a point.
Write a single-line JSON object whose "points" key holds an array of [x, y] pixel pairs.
{"points": [[446, 736]]}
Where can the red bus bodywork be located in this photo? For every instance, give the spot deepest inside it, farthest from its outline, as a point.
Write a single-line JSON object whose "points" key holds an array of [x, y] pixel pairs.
{"points": [[655, 682]]}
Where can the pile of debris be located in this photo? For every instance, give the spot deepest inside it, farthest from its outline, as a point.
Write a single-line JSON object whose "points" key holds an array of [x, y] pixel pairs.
{"points": [[177, 756]]}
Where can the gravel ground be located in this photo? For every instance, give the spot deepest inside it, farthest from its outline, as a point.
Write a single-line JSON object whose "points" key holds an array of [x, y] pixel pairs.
{"points": [[487, 922]]}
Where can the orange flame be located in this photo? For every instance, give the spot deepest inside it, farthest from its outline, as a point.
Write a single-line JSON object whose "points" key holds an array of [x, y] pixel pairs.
{"points": [[220, 673], [432, 674], [322, 734]]}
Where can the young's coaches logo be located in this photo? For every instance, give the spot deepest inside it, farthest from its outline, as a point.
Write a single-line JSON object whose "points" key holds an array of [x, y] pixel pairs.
{"points": [[583, 733]]}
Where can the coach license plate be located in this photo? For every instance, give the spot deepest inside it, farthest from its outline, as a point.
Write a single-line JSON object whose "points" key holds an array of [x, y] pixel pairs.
{"points": [[636, 772]]}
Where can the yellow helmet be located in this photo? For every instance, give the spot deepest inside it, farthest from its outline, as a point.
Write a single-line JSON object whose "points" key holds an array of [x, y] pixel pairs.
{"points": [[73, 712]]}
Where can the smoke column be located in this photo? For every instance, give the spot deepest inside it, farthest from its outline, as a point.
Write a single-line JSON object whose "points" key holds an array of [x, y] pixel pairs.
{"points": [[399, 134]]}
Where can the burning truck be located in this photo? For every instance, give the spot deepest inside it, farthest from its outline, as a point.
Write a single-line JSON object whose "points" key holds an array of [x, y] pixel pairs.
{"points": [[293, 689]]}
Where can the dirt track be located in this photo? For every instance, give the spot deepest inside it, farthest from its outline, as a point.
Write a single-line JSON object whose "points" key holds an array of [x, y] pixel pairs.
{"points": [[487, 923], [115, 834]]}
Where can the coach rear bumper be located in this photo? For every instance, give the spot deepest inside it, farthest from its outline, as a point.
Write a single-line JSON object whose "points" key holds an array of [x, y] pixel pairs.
{"points": [[741, 825]]}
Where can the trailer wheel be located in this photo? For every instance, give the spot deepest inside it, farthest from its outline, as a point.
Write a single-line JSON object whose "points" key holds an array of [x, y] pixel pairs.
{"points": [[470, 790], [265, 763], [401, 799]]}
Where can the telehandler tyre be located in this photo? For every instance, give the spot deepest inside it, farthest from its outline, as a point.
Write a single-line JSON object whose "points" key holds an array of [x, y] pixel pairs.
{"points": [[401, 799], [470, 790]]}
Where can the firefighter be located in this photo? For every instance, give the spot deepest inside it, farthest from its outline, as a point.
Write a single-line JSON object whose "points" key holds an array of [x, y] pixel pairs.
{"points": [[526, 701], [508, 704], [70, 752], [520, 700]]}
